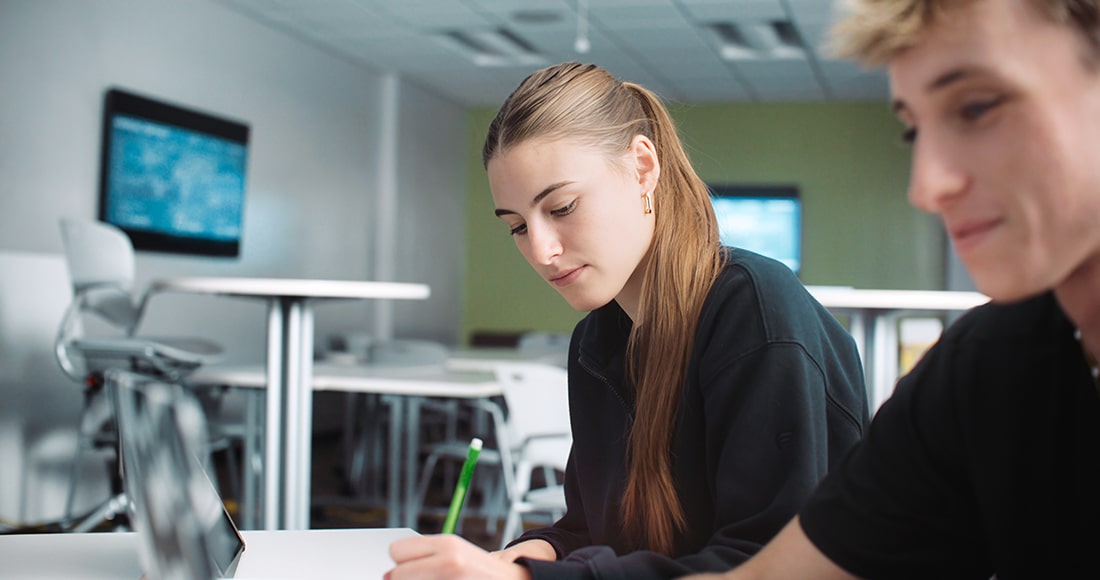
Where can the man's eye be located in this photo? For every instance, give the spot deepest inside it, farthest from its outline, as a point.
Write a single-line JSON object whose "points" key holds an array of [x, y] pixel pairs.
{"points": [[975, 110]]}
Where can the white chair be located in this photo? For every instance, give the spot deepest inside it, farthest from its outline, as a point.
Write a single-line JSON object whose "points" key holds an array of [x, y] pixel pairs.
{"points": [[531, 430], [100, 260]]}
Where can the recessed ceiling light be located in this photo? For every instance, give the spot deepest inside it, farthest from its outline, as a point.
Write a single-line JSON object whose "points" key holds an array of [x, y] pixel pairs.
{"points": [[495, 47], [770, 39], [534, 16]]}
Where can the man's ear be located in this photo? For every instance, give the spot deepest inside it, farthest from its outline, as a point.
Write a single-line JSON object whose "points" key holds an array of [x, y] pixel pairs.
{"points": [[646, 166]]}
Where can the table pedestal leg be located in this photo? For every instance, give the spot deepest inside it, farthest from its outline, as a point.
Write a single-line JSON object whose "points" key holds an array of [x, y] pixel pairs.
{"points": [[289, 414], [393, 492], [273, 438], [299, 415], [412, 444]]}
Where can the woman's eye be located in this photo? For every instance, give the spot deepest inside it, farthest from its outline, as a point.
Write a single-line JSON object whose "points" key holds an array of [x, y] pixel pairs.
{"points": [[909, 136], [565, 210], [518, 230]]}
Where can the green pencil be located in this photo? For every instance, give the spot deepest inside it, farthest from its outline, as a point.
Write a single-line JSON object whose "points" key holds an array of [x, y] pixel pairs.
{"points": [[460, 487]]}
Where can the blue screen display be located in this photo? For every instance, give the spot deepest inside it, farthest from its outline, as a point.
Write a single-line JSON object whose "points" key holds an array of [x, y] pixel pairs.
{"points": [[771, 226], [169, 180]]}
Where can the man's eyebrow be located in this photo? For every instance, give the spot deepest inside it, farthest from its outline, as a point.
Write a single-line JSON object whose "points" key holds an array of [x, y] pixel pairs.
{"points": [[545, 192], [944, 80]]}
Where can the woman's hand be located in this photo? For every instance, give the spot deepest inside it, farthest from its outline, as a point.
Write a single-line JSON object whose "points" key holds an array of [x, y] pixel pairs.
{"points": [[533, 549], [448, 556]]}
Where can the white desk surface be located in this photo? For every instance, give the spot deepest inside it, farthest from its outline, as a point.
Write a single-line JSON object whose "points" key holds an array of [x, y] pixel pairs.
{"points": [[852, 298], [292, 287], [320, 554], [422, 381]]}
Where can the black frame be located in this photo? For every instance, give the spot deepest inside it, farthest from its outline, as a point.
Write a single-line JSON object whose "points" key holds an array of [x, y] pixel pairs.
{"points": [[118, 101]]}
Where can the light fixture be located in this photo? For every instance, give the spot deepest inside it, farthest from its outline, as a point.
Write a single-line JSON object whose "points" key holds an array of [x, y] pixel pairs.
{"points": [[770, 39], [581, 44], [493, 47]]}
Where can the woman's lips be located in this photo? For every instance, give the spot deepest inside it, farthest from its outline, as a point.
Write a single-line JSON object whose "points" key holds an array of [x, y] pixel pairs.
{"points": [[566, 277]]}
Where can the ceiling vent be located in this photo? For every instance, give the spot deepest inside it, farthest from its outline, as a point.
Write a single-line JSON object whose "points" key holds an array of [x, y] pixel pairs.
{"points": [[494, 47], [774, 39]]}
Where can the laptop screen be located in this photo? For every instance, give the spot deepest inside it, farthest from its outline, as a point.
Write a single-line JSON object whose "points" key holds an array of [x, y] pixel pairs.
{"points": [[181, 522]]}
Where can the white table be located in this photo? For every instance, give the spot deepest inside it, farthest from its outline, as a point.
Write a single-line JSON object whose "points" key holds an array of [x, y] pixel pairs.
{"points": [[289, 372], [402, 389], [306, 554], [489, 358], [873, 316]]}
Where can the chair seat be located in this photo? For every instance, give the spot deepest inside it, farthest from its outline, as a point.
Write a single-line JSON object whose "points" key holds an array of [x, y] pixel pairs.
{"points": [[179, 353], [546, 498]]}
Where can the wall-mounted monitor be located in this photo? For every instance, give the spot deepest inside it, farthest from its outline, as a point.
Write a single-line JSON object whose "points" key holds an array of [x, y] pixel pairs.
{"points": [[172, 178], [765, 219]]}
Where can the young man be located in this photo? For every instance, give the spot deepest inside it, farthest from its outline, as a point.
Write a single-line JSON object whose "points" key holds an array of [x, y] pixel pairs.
{"points": [[986, 461]]}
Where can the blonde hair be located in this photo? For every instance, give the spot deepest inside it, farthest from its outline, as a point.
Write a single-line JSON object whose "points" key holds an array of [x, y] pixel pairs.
{"points": [[874, 31], [585, 104]]}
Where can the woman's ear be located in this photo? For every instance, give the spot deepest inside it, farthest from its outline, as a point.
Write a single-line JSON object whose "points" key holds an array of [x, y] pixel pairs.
{"points": [[646, 166]]}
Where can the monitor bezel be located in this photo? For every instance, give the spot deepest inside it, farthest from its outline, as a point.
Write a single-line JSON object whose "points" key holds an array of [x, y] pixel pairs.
{"points": [[122, 102]]}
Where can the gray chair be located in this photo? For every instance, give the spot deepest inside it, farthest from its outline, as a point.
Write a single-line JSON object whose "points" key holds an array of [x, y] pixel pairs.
{"points": [[98, 332]]}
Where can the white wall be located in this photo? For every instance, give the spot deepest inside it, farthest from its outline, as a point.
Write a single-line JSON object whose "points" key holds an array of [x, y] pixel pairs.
{"points": [[310, 207]]}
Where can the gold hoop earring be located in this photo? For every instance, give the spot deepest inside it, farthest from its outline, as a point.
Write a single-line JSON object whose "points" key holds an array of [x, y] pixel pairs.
{"points": [[647, 203]]}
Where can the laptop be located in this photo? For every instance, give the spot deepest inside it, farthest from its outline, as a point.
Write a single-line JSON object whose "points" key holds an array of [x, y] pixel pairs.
{"points": [[182, 526]]}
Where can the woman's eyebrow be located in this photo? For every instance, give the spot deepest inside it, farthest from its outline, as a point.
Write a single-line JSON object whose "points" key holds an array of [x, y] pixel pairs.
{"points": [[545, 192]]}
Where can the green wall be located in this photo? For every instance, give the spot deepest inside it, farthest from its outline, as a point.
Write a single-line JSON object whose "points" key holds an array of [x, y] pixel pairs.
{"points": [[846, 158]]}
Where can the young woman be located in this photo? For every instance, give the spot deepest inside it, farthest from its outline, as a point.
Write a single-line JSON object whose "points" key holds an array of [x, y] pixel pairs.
{"points": [[709, 393]]}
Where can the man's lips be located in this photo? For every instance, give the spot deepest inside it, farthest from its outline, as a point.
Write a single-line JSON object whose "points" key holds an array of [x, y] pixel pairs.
{"points": [[970, 233], [566, 277]]}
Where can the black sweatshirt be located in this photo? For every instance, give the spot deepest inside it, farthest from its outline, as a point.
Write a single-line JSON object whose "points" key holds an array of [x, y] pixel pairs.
{"points": [[773, 397]]}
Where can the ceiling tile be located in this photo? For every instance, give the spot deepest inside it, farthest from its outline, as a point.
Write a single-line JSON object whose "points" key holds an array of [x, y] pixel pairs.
{"points": [[734, 10], [659, 43]]}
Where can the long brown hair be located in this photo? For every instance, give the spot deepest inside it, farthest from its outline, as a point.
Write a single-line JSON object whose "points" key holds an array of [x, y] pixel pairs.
{"points": [[586, 104]]}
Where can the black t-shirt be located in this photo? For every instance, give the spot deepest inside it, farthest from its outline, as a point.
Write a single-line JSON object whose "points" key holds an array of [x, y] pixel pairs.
{"points": [[985, 461]]}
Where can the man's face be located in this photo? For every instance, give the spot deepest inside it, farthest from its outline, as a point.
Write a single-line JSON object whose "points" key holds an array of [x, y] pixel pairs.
{"points": [[1006, 118]]}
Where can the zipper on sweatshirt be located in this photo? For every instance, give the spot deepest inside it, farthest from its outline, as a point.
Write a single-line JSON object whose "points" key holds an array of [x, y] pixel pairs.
{"points": [[618, 394]]}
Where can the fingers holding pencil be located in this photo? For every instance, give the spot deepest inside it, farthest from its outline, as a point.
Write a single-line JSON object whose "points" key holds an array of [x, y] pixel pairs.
{"points": [[447, 556]]}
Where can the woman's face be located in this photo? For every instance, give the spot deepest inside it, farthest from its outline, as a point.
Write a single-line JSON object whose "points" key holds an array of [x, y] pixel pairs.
{"points": [[578, 216]]}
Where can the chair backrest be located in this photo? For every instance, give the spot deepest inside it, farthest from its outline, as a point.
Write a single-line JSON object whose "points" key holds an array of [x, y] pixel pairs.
{"points": [[537, 396], [536, 430], [100, 260], [98, 254], [101, 265]]}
